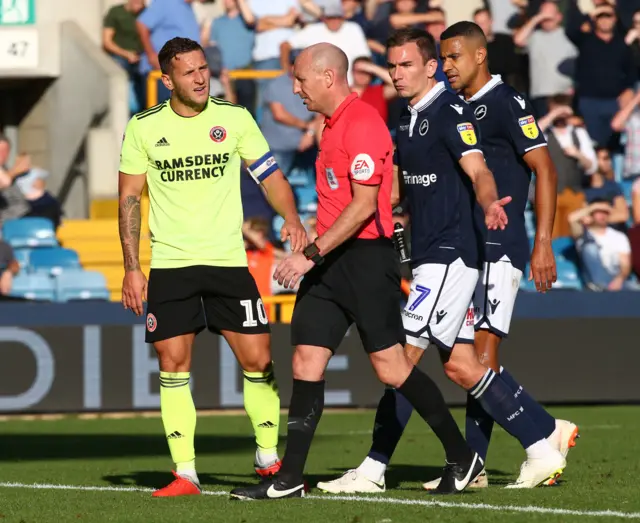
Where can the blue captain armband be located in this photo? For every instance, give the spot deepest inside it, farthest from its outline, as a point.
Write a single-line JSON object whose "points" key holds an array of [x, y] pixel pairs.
{"points": [[263, 167]]}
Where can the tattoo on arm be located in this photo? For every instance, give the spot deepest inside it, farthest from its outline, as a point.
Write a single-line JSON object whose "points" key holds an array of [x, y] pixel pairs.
{"points": [[129, 220]]}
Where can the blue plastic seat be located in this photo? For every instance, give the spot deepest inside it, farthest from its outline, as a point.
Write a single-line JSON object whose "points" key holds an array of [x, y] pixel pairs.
{"points": [[54, 260], [276, 225], [81, 285], [22, 257], [29, 232], [568, 275], [307, 198], [34, 287], [525, 284], [530, 223], [564, 248], [299, 177]]}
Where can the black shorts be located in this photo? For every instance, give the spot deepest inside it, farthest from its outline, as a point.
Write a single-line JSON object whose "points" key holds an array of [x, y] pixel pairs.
{"points": [[358, 283], [188, 299]]}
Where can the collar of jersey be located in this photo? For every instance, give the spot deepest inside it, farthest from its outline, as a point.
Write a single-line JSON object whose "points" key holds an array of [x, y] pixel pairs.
{"points": [[341, 109], [428, 98], [496, 79]]}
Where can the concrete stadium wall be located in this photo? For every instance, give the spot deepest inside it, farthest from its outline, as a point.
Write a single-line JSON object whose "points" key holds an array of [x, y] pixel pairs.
{"points": [[565, 347], [76, 95], [90, 93]]}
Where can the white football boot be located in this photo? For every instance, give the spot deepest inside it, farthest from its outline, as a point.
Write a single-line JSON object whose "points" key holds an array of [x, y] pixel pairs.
{"points": [[539, 471], [352, 482]]}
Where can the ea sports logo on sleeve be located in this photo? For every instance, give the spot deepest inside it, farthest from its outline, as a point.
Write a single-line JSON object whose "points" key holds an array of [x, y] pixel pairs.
{"points": [[362, 167], [218, 134], [152, 323]]}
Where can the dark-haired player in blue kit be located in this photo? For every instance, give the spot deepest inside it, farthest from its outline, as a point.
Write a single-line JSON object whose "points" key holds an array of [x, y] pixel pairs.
{"points": [[514, 147], [447, 250]]}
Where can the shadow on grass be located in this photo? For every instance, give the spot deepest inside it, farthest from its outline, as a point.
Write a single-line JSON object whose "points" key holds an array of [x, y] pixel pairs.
{"points": [[40, 447], [396, 476]]}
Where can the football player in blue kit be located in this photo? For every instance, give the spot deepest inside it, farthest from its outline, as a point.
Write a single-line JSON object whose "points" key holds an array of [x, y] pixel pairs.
{"points": [[512, 146]]}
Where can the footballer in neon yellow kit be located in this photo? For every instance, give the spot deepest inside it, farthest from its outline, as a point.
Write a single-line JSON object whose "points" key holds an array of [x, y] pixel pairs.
{"points": [[189, 151]]}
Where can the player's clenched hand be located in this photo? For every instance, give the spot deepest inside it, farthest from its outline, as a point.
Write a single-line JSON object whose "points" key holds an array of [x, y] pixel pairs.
{"points": [[291, 269], [134, 290], [495, 217], [543, 266], [296, 233]]}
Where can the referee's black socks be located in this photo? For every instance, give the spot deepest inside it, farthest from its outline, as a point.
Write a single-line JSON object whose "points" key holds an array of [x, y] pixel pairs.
{"points": [[305, 410], [427, 400]]}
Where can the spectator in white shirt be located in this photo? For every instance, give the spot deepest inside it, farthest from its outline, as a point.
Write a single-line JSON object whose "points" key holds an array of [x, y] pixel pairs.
{"points": [[605, 253], [333, 29], [274, 21]]}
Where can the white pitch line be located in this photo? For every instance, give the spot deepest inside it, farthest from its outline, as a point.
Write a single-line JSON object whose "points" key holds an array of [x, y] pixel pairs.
{"points": [[364, 499]]}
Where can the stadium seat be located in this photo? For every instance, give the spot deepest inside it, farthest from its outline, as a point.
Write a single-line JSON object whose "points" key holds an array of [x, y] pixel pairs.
{"points": [[278, 222], [568, 276], [307, 198], [22, 257], [81, 285], [54, 260], [530, 223], [276, 225], [525, 284], [299, 178], [564, 248], [34, 287], [29, 232]]}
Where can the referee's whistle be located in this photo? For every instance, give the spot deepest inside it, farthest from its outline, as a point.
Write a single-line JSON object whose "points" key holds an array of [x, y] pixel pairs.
{"points": [[401, 246]]}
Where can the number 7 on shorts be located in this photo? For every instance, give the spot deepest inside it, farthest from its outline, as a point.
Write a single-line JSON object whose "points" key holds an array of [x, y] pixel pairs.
{"points": [[423, 292]]}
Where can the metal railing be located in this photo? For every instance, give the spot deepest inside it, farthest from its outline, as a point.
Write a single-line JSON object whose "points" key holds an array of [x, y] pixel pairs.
{"points": [[236, 74]]}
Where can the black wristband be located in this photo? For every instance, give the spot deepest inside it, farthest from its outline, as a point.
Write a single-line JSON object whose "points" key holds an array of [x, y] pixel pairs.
{"points": [[311, 252]]}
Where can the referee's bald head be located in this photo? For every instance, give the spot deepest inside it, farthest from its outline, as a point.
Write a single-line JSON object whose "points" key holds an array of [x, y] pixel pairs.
{"points": [[320, 77], [325, 56]]}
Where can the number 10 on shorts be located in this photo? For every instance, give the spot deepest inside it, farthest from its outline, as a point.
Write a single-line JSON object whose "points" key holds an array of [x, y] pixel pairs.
{"points": [[423, 292], [248, 309]]}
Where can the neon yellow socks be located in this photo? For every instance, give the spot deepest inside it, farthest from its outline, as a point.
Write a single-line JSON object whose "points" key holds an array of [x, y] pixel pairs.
{"points": [[179, 420], [262, 403]]}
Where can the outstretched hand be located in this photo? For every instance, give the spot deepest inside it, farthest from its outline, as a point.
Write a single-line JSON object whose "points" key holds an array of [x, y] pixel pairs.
{"points": [[495, 215]]}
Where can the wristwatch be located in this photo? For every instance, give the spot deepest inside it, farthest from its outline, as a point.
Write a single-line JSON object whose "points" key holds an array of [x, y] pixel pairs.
{"points": [[311, 252]]}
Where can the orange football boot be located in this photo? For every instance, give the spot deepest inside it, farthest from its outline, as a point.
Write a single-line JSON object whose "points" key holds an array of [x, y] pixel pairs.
{"points": [[178, 487]]}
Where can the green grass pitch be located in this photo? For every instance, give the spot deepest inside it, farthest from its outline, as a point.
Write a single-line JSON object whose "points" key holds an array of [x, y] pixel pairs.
{"points": [[600, 482]]}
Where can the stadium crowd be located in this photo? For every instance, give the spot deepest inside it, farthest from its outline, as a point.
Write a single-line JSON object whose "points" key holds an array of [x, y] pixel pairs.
{"points": [[579, 69]]}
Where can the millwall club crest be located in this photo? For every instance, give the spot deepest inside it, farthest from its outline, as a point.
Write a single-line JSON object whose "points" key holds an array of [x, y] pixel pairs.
{"points": [[424, 127], [331, 178], [480, 112]]}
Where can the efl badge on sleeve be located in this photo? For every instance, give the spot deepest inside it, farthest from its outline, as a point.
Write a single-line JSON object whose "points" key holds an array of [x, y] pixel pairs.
{"points": [[332, 180], [529, 127], [467, 133]]}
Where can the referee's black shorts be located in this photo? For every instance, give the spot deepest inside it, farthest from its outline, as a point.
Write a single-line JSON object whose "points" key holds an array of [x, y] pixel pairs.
{"points": [[188, 299], [358, 283]]}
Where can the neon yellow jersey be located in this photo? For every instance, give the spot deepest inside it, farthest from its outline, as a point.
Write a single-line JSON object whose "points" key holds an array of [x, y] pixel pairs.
{"points": [[193, 175]]}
